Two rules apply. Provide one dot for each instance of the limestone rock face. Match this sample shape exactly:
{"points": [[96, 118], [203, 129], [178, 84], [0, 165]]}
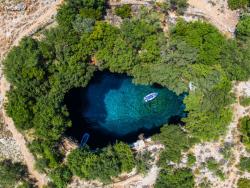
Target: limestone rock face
{"points": [[23, 18]]}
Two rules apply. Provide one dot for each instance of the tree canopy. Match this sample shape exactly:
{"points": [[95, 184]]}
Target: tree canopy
{"points": [[12, 173], [245, 164], [177, 178], [193, 59], [124, 11], [245, 131], [111, 161], [243, 27], [173, 149], [236, 4], [243, 183]]}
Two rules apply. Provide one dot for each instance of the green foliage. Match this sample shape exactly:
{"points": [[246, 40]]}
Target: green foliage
{"points": [[243, 27], [82, 162], [178, 178], [61, 176], [41, 165], [234, 61], [166, 75], [111, 161], [27, 60], [191, 159], [179, 5], [202, 36], [42, 72], [214, 167], [124, 156], [137, 30], [207, 118], [143, 161], [245, 131], [68, 12], [164, 6], [45, 70], [25, 184], [123, 11], [243, 183], [49, 152], [205, 183], [12, 173], [212, 164], [168, 136], [245, 101], [208, 125], [226, 151], [112, 51], [236, 4], [245, 164], [20, 109], [220, 174]]}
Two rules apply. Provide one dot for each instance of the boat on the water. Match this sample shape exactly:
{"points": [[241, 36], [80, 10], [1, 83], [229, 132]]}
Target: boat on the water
{"points": [[84, 140], [150, 97]]}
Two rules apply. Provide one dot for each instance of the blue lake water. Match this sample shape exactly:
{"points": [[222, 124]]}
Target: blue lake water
{"points": [[112, 108]]}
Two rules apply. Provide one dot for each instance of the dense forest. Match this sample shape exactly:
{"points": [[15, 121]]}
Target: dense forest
{"points": [[41, 72]]}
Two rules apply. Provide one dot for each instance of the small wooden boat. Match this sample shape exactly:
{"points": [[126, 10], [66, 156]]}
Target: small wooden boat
{"points": [[150, 97]]}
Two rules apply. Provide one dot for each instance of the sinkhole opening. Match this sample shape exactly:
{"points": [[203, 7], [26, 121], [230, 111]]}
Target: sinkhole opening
{"points": [[112, 108]]}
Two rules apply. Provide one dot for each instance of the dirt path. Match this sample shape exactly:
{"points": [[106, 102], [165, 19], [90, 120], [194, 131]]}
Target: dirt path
{"points": [[16, 24], [40, 22], [20, 140], [28, 157], [29, 23]]}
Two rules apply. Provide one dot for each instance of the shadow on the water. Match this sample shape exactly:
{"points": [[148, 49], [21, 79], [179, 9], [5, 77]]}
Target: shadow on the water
{"points": [[79, 106], [87, 110]]}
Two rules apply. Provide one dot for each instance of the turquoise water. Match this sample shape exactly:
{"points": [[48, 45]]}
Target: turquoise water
{"points": [[112, 106]]}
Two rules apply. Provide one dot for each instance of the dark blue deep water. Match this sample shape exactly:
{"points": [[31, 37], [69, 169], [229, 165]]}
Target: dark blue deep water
{"points": [[112, 108]]}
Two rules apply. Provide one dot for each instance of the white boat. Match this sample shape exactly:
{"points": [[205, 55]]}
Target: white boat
{"points": [[150, 97]]}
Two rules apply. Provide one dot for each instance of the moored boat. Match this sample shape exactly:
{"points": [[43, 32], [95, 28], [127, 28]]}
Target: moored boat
{"points": [[84, 140], [150, 97]]}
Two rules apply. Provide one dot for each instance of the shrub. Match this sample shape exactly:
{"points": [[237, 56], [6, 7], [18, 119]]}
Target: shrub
{"points": [[220, 174], [110, 161], [168, 136], [179, 5], [41, 165], [212, 164], [236, 4], [61, 176], [12, 173], [243, 27], [245, 101], [245, 131], [226, 151], [245, 164], [175, 178], [123, 11], [191, 159], [142, 161], [243, 183]]}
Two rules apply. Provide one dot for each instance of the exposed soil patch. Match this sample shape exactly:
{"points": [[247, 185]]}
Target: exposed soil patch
{"points": [[216, 12]]}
